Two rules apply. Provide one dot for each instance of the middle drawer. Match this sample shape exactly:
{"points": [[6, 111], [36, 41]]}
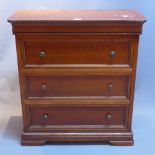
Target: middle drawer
{"points": [[77, 86]]}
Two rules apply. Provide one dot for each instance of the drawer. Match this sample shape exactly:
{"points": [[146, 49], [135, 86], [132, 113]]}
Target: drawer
{"points": [[77, 86], [80, 116], [76, 51]]}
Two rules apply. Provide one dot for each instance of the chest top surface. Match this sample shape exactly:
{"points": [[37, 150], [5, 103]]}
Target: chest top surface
{"points": [[119, 21], [76, 15]]}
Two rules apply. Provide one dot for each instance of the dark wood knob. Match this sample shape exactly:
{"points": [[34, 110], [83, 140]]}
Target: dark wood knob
{"points": [[110, 87], [43, 87], [112, 54], [109, 116], [45, 116], [42, 54]]}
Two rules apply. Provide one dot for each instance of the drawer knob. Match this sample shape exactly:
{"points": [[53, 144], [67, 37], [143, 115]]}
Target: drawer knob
{"points": [[42, 54], [110, 87], [112, 54], [45, 116], [109, 116], [43, 87]]}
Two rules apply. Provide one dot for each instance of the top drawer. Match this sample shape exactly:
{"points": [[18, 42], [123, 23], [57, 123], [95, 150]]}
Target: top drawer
{"points": [[76, 51]]}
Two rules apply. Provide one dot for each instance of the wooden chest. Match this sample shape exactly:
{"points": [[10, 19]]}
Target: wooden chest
{"points": [[77, 74]]}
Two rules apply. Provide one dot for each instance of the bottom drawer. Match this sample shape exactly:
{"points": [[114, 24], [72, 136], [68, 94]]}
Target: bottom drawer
{"points": [[77, 117]]}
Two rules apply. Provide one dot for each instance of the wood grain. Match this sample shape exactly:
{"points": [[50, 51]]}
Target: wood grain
{"points": [[72, 51], [77, 86], [77, 116], [77, 68], [75, 15], [120, 21]]}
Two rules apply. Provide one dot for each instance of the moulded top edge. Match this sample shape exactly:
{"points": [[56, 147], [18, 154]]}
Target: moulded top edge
{"points": [[76, 16]]}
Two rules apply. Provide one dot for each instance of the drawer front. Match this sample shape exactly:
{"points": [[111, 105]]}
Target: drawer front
{"points": [[60, 51], [78, 116], [77, 86]]}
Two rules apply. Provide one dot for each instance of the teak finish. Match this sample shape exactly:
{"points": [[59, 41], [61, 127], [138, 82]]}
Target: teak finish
{"points": [[80, 86], [77, 73]]}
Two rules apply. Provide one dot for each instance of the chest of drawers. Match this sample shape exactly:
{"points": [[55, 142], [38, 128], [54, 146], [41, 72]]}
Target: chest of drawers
{"points": [[77, 73]]}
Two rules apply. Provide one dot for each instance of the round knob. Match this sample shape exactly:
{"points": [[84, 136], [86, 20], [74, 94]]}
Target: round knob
{"points": [[45, 116], [109, 116], [42, 54], [113, 54], [110, 87], [43, 87]]}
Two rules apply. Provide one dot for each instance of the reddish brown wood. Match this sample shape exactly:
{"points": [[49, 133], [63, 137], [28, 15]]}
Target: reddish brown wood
{"points": [[123, 21], [124, 138], [69, 15], [77, 67], [78, 27], [77, 115], [76, 49], [81, 118], [77, 86]]}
